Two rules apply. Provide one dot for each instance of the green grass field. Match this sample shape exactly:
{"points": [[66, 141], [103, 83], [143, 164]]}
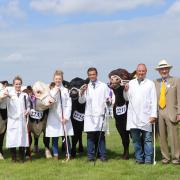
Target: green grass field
{"points": [[114, 168]]}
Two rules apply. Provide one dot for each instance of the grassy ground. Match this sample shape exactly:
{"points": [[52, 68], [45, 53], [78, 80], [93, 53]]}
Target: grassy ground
{"points": [[115, 168]]}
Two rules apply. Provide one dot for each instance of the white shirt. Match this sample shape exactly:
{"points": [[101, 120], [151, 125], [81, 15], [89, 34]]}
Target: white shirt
{"points": [[54, 126], [95, 99], [142, 104], [17, 134]]}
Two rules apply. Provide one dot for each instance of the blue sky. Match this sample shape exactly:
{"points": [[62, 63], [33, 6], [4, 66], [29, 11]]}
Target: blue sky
{"points": [[39, 36]]}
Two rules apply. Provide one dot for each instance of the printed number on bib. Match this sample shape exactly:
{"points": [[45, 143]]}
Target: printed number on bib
{"points": [[78, 116], [121, 110], [36, 114]]}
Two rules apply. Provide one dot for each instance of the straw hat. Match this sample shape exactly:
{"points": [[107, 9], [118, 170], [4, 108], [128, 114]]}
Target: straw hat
{"points": [[163, 64]]}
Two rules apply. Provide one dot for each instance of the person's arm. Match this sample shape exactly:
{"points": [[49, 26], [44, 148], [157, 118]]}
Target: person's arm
{"points": [[82, 94], [178, 100], [153, 98], [67, 107], [126, 92], [27, 105], [108, 96], [54, 92]]}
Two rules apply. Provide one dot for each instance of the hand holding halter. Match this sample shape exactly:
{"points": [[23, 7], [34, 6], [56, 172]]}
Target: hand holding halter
{"points": [[119, 80], [83, 88]]}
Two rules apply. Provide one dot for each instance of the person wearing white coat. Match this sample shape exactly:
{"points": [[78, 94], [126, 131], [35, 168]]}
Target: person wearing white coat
{"points": [[142, 112], [96, 95], [18, 110], [59, 114]]}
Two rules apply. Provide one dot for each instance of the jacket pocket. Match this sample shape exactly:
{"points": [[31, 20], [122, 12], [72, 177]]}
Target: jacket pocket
{"points": [[147, 107]]}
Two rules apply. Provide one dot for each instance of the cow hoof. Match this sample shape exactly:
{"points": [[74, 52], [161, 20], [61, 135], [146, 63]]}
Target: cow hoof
{"points": [[1, 156], [48, 154]]}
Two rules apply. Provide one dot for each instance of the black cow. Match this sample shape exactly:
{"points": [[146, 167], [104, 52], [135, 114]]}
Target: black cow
{"points": [[77, 115], [118, 78], [3, 124]]}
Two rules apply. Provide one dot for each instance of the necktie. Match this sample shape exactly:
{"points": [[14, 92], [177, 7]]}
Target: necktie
{"points": [[94, 84], [18, 94], [162, 99], [140, 80]]}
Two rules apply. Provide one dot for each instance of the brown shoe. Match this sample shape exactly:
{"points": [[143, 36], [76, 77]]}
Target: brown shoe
{"points": [[56, 158], [165, 161]]}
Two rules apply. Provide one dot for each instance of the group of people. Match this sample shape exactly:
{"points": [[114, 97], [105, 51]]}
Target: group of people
{"points": [[151, 102], [148, 103]]}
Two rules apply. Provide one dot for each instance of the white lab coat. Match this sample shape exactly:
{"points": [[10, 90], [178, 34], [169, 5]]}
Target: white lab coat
{"points": [[142, 104], [54, 126], [95, 106], [17, 133]]}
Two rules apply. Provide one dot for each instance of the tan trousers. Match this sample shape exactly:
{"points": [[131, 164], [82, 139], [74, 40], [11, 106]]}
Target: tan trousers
{"points": [[168, 130]]}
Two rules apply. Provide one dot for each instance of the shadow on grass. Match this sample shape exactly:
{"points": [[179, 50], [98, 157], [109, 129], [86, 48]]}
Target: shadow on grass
{"points": [[111, 155]]}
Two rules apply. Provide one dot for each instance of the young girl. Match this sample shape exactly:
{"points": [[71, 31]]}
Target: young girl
{"points": [[18, 110], [59, 114]]}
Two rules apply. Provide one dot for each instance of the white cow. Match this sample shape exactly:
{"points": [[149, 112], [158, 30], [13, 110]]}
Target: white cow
{"points": [[40, 104]]}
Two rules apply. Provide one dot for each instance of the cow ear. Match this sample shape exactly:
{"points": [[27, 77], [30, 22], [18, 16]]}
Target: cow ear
{"points": [[66, 84], [86, 81], [132, 75]]}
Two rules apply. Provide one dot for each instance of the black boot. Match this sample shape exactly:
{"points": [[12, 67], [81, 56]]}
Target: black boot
{"points": [[13, 154], [126, 154], [22, 154]]}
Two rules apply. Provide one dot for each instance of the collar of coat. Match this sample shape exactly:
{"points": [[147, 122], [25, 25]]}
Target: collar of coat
{"points": [[96, 82], [142, 82]]}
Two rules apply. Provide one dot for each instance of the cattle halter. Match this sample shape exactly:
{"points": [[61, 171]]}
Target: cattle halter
{"points": [[42, 99], [122, 81]]}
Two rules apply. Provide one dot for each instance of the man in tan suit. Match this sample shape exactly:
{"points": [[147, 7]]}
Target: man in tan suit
{"points": [[168, 94]]}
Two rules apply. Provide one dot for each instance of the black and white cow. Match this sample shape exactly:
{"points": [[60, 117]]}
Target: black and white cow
{"points": [[77, 115], [118, 78], [3, 115]]}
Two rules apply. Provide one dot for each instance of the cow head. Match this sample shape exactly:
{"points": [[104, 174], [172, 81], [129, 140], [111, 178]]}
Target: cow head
{"points": [[75, 85], [3, 91], [43, 98], [120, 77]]}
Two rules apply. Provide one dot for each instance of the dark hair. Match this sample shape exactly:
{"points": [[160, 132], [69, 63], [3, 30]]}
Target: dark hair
{"points": [[4, 82], [92, 69], [17, 78], [29, 88], [52, 84]]}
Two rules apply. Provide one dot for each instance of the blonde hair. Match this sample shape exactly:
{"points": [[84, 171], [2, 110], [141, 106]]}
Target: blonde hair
{"points": [[17, 78], [58, 73]]}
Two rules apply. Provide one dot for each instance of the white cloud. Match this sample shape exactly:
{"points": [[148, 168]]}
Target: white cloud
{"points": [[105, 45], [9, 11], [174, 9], [14, 57], [77, 6]]}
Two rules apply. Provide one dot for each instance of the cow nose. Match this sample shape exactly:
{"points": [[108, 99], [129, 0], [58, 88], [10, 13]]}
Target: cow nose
{"points": [[50, 102]]}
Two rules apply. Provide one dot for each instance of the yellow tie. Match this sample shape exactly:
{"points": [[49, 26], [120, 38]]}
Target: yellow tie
{"points": [[162, 99]]}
